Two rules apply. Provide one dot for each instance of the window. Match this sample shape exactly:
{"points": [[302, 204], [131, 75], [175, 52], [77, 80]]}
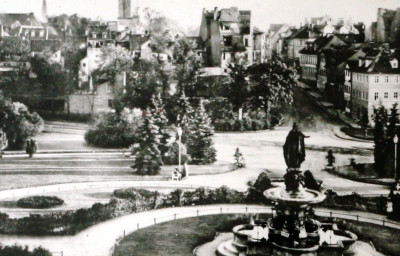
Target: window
{"points": [[386, 79], [376, 96], [94, 35], [228, 41], [376, 79], [223, 56], [33, 33], [386, 95], [225, 27], [41, 33], [104, 35], [246, 42], [396, 94], [110, 103]]}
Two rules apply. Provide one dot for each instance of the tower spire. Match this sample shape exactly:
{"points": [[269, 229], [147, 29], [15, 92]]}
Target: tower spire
{"points": [[44, 11]]}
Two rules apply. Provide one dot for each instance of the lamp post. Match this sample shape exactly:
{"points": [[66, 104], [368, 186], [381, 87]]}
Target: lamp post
{"points": [[395, 140], [179, 139]]}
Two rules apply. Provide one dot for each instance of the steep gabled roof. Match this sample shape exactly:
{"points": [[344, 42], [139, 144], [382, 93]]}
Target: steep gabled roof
{"points": [[302, 33], [28, 19]]}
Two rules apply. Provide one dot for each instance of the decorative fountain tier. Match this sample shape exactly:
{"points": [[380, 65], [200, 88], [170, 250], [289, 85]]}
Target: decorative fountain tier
{"points": [[292, 229]]}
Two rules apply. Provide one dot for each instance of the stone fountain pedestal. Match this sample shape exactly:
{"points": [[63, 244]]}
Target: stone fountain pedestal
{"points": [[291, 231]]}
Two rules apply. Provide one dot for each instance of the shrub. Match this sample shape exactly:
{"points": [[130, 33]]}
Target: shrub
{"points": [[17, 250], [18, 123], [256, 189], [172, 155], [114, 131], [132, 193], [39, 202]]}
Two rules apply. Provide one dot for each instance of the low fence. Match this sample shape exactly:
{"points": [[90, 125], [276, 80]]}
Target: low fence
{"points": [[217, 210]]}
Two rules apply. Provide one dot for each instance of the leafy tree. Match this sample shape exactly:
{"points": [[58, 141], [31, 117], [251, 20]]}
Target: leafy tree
{"points": [[237, 89], [200, 143], [161, 121], [18, 123], [115, 60], [380, 119], [54, 80], [14, 49], [393, 121], [147, 80], [272, 82], [187, 67], [147, 155], [115, 131]]}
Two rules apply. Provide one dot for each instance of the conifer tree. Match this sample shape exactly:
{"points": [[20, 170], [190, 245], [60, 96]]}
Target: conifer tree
{"points": [[393, 121], [161, 121], [148, 159], [200, 144], [380, 120], [185, 115]]}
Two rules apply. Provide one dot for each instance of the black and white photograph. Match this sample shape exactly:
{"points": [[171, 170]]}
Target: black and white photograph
{"points": [[199, 128]]}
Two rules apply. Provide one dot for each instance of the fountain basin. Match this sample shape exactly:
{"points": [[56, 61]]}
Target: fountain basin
{"points": [[304, 196]]}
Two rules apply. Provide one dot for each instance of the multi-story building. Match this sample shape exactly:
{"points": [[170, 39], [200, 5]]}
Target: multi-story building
{"points": [[259, 53], [310, 58], [375, 81], [226, 33], [273, 41]]}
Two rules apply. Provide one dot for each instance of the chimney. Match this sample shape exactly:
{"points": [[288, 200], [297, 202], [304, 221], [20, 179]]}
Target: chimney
{"points": [[215, 13]]}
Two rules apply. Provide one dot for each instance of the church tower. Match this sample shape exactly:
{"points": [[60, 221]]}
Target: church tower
{"points": [[125, 11], [44, 11]]}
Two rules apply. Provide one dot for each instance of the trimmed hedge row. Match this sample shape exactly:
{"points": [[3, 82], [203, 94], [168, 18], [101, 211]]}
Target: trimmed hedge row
{"points": [[39, 202]]}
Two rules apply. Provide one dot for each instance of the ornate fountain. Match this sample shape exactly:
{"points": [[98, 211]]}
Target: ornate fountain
{"points": [[291, 230]]}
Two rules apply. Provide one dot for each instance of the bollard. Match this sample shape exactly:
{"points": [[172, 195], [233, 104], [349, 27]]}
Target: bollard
{"points": [[357, 218], [138, 226], [124, 233], [155, 221], [383, 222], [197, 213], [330, 214], [221, 210], [175, 216], [246, 209]]}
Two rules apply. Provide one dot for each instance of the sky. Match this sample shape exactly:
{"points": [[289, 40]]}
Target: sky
{"points": [[187, 13]]}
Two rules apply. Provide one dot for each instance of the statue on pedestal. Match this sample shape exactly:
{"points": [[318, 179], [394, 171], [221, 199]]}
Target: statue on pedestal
{"points": [[294, 149], [294, 154]]}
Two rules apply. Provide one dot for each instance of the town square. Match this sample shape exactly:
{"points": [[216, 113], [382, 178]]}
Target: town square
{"points": [[204, 128]]}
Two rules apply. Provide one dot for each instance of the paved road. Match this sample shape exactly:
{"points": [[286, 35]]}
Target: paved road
{"points": [[88, 242]]}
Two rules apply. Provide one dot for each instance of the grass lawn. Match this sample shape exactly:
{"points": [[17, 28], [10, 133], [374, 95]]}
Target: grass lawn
{"points": [[177, 238], [386, 240]]}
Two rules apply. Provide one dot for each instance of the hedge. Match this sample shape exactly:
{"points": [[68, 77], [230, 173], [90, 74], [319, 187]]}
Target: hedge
{"points": [[39, 202]]}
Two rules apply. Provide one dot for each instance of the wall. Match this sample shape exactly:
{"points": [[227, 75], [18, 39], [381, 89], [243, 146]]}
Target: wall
{"points": [[83, 103], [392, 87], [215, 44]]}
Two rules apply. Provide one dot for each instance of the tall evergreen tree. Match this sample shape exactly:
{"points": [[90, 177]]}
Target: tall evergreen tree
{"points": [[148, 159], [380, 119], [161, 121], [200, 144], [393, 121], [185, 113]]}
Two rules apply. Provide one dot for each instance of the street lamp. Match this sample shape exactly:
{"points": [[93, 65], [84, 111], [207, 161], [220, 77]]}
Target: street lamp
{"points": [[395, 140], [179, 139]]}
